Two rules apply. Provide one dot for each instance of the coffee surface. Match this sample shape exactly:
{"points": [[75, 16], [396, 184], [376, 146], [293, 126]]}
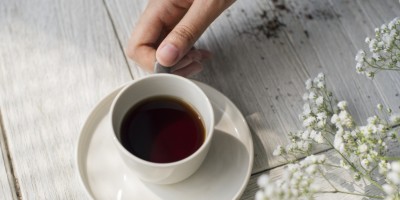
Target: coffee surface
{"points": [[162, 129]]}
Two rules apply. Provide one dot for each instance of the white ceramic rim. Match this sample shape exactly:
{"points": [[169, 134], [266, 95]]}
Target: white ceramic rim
{"points": [[209, 134]]}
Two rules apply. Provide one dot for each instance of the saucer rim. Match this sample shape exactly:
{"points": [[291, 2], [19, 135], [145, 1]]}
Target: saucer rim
{"points": [[111, 95]]}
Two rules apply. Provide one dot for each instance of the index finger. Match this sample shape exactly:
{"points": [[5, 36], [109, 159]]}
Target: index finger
{"points": [[144, 38]]}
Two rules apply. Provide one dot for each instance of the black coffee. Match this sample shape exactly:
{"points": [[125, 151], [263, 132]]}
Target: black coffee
{"points": [[162, 129]]}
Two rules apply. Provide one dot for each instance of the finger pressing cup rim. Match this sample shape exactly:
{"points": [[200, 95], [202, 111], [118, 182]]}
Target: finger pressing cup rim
{"points": [[158, 68]]}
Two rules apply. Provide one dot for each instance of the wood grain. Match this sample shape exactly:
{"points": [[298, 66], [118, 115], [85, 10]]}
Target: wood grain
{"points": [[263, 69], [124, 15], [357, 21], [7, 190], [358, 24], [57, 60], [247, 68]]}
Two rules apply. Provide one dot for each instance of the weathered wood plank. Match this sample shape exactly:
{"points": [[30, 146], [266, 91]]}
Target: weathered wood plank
{"points": [[124, 15], [360, 23], [354, 20], [263, 53], [7, 189], [260, 73], [335, 53], [57, 59]]}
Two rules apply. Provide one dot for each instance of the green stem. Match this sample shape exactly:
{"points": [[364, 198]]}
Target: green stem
{"points": [[394, 126], [373, 181], [396, 46], [352, 193], [323, 175], [370, 172], [388, 158], [366, 176], [331, 165], [380, 67]]}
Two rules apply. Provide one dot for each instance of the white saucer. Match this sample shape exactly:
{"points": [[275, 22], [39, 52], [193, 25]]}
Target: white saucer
{"points": [[223, 175]]}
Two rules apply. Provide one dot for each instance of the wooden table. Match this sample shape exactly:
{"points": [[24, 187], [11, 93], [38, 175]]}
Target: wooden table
{"points": [[59, 58]]}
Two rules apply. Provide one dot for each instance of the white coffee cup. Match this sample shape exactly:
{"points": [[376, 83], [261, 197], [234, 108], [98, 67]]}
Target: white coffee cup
{"points": [[162, 85]]}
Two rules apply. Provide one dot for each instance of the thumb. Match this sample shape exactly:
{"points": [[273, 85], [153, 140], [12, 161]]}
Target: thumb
{"points": [[179, 41]]}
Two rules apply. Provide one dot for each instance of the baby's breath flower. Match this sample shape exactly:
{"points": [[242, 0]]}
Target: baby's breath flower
{"points": [[306, 109], [263, 180], [305, 135], [342, 105], [393, 135], [319, 101], [357, 176], [321, 76], [383, 50], [321, 85], [305, 96], [365, 163], [362, 148], [395, 118], [344, 164], [308, 84], [384, 166], [345, 119], [370, 74], [297, 181], [312, 96], [389, 189], [312, 169], [278, 151], [373, 120], [338, 143], [309, 121], [394, 174], [334, 119], [319, 138]]}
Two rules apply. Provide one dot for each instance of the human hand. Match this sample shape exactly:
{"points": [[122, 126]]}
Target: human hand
{"points": [[167, 30]]}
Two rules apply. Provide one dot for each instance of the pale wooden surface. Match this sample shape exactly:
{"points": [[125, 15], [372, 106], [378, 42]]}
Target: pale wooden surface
{"points": [[7, 191], [5, 185], [58, 58]]}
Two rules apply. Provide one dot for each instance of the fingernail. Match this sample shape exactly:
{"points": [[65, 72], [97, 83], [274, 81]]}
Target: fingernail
{"points": [[168, 54]]}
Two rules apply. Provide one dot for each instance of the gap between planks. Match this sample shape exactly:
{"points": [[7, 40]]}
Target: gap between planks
{"points": [[118, 39], [8, 162]]}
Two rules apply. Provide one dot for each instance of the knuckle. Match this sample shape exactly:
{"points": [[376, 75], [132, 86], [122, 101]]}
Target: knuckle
{"points": [[131, 53], [185, 33]]}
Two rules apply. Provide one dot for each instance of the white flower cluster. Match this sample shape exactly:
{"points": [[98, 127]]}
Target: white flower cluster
{"points": [[384, 50], [314, 117], [365, 144], [362, 149], [297, 181], [395, 118], [391, 188]]}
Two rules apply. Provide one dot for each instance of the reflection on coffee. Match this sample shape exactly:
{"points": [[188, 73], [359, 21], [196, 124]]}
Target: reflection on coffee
{"points": [[162, 129]]}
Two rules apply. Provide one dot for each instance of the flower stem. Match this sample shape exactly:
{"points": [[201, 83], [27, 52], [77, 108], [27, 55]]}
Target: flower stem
{"points": [[352, 193], [394, 126], [331, 165], [323, 175], [380, 67], [366, 176], [388, 158]]}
